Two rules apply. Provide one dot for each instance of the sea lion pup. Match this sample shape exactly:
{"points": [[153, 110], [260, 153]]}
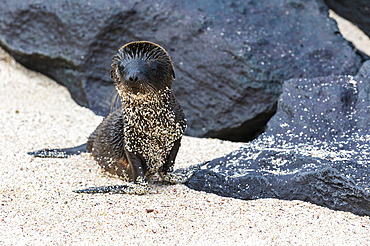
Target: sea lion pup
{"points": [[143, 137]]}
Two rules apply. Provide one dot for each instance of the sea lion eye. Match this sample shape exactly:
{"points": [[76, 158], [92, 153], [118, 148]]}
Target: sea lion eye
{"points": [[121, 69], [155, 71], [154, 68]]}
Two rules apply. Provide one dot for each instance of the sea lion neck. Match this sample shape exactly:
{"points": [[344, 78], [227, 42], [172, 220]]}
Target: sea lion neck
{"points": [[159, 98]]}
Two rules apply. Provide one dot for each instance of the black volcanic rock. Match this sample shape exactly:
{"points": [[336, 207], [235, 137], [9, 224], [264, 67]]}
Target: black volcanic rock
{"points": [[316, 148], [230, 57]]}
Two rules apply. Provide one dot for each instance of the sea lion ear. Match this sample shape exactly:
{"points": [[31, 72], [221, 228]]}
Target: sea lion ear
{"points": [[112, 73], [173, 73]]}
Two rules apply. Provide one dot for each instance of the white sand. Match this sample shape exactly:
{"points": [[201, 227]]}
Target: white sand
{"points": [[38, 206]]}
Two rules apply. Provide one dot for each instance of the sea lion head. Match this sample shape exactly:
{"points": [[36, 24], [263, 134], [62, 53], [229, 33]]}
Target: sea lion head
{"points": [[142, 67]]}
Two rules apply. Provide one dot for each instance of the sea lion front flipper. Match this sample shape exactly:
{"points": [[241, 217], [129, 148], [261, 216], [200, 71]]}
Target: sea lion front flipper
{"points": [[167, 167], [137, 167], [133, 189], [59, 153]]}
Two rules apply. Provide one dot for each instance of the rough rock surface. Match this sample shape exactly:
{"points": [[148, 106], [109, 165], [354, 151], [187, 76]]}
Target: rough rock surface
{"points": [[230, 56], [356, 11], [316, 148]]}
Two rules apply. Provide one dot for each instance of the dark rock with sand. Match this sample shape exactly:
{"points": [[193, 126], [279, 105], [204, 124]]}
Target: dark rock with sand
{"points": [[316, 148], [230, 57]]}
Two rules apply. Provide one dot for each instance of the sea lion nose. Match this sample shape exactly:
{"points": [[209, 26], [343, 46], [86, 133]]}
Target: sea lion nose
{"points": [[133, 77]]}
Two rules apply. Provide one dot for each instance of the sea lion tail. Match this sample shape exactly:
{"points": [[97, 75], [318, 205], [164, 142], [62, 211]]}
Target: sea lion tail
{"points": [[59, 153]]}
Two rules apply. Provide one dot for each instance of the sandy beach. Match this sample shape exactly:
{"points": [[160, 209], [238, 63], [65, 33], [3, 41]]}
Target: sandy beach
{"points": [[38, 206]]}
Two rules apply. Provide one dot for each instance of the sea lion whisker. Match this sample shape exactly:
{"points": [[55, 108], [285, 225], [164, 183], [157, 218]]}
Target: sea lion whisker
{"points": [[113, 99], [116, 101]]}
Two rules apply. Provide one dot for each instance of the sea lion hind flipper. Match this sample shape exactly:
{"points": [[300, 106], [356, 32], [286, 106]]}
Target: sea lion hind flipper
{"points": [[59, 153], [135, 189]]}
